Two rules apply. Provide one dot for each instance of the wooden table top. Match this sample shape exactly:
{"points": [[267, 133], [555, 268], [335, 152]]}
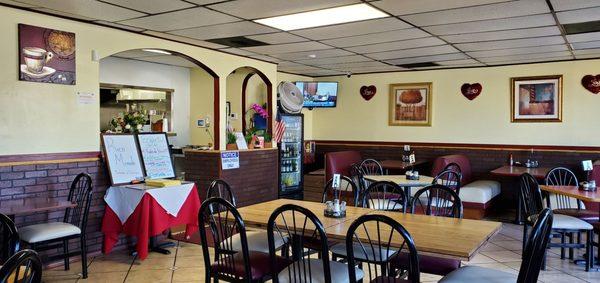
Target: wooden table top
{"points": [[401, 180], [516, 171], [30, 205], [574, 192], [439, 236], [395, 164]]}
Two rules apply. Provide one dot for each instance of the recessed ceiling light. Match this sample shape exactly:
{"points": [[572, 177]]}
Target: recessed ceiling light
{"points": [[157, 51], [312, 56], [323, 17]]}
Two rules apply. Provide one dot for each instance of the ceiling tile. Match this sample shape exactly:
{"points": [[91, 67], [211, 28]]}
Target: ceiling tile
{"points": [[396, 45], [181, 19], [433, 58], [533, 60], [64, 14], [425, 51], [318, 53], [585, 45], [237, 51], [185, 39], [462, 62], [504, 34], [335, 60], [373, 38], [225, 30], [386, 68], [517, 51], [15, 3], [256, 9], [581, 37], [278, 38], [512, 43], [493, 25], [587, 53], [302, 69], [549, 55], [151, 6], [120, 26], [477, 13], [579, 16], [405, 7], [204, 2], [266, 58], [324, 73], [288, 48], [352, 29], [561, 5], [87, 8]]}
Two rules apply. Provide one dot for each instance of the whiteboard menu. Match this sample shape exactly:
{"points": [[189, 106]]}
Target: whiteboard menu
{"points": [[156, 155], [122, 158]]}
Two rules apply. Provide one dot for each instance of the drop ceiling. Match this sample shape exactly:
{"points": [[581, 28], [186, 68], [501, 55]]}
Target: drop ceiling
{"points": [[451, 34]]}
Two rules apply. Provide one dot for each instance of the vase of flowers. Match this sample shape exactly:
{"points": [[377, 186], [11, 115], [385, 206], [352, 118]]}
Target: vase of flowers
{"points": [[128, 122], [259, 118]]}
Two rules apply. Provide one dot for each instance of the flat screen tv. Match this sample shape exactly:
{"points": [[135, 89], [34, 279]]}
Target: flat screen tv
{"points": [[319, 94]]}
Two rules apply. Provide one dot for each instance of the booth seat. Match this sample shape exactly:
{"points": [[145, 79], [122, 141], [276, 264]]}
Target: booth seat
{"points": [[477, 195], [339, 162]]}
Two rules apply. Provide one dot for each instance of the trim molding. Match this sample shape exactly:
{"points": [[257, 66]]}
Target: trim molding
{"points": [[45, 158], [516, 147]]}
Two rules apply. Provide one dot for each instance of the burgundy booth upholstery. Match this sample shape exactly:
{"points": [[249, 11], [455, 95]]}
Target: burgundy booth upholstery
{"points": [[339, 162], [465, 166]]}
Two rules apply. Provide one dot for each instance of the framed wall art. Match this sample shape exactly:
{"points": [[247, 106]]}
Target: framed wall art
{"points": [[410, 104], [536, 99]]}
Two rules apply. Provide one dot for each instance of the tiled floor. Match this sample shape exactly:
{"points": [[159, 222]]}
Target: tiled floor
{"points": [[185, 264]]}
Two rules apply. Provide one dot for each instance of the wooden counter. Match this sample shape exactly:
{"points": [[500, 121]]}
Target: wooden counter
{"points": [[255, 181]]}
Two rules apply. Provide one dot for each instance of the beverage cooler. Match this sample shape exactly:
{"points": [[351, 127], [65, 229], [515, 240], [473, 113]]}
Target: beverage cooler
{"points": [[291, 156]]}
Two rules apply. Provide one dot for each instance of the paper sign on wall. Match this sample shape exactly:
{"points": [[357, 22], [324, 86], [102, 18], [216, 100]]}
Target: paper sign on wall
{"points": [[230, 160], [85, 98]]}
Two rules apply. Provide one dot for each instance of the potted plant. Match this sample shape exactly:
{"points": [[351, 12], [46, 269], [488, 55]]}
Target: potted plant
{"points": [[259, 118], [128, 122], [231, 144]]}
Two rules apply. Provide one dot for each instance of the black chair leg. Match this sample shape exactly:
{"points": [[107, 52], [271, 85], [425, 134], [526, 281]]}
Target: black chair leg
{"points": [[84, 270], [562, 247], [66, 253], [524, 235], [571, 241], [206, 276], [589, 250]]}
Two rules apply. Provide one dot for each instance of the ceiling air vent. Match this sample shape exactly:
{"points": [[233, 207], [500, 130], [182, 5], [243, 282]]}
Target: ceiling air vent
{"points": [[419, 65], [237, 41], [582, 27]]}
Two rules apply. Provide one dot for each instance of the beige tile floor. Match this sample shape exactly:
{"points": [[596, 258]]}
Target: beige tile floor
{"points": [[185, 264]]}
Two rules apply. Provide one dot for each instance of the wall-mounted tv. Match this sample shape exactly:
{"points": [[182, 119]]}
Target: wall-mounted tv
{"points": [[319, 94]]}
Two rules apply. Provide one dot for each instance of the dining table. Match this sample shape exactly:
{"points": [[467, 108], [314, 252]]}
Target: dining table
{"points": [[14, 207], [433, 235], [402, 181], [396, 166]]}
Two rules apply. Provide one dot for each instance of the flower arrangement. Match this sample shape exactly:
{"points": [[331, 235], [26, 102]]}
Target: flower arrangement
{"points": [[259, 110], [128, 122]]}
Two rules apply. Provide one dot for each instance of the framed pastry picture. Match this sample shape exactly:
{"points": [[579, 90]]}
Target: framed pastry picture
{"points": [[536, 99], [410, 104], [46, 55]]}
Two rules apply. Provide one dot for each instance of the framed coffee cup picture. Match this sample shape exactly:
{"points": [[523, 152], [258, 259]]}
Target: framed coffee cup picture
{"points": [[536, 99], [46, 55]]}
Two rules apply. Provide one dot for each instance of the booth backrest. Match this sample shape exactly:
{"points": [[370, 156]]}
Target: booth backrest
{"points": [[595, 175], [465, 166], [339, 162]]}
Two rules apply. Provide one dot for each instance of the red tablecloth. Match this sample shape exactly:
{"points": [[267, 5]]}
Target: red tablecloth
{"points": [[147, 220]]}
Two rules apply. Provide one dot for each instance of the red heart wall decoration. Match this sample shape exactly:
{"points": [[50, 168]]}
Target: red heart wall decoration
{"points": [[471, 91], [367, 92], [591, 83]]}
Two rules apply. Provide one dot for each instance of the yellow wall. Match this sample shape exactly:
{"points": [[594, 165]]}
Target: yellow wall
{"points": [[45, 118], [308, 114], [458, 120], [201, 106]]}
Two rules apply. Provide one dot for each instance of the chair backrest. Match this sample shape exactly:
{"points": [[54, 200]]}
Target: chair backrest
{"points": [[536, 247], [452, 166], [530, 195], [384, 195], [24, 266], [371, 167], [339, 162], [220, 189], [437, 200], [9, 238], [358, 177], [80, 194], [224, 221], [440, 163], [303, 230], [448, 178], [378, 239], [561, 176], [347, 191]]}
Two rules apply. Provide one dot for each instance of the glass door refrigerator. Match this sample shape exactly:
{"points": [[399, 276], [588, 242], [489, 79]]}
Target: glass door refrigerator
{"points": [[291, 157]]}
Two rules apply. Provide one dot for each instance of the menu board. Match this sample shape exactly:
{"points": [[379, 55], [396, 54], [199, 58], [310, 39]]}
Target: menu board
{"points": [[122, 158], [156, 155]]}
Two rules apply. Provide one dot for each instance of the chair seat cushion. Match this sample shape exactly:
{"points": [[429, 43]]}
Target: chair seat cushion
{"points": [[566, 222], [480, 191], [257, 241], [478, 274], [364, 252], [260, 265], [583, 214], [47, 231], [338, 270], [428, 264]]}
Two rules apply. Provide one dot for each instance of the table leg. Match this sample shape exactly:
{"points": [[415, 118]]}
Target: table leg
{"points": [[518, 216]]}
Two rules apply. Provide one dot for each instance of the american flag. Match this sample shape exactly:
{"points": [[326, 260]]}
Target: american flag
{"points": [[279, 128]]}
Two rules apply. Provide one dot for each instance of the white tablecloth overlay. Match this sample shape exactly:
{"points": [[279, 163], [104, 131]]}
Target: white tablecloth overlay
{"points": [[123, 200]]}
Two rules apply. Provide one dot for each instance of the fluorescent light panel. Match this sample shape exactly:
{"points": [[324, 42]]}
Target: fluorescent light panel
{"points": [[331, 16], [157, 51]]}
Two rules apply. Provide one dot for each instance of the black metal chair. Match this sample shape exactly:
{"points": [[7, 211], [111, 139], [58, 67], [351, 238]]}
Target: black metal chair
{"points": [[9, 238], [46, 236], [531, 202], [371, 167], [369, 242], [562, 204], [302, 226], [347, 191], [256, 239], [454, 167], [23, 267], [530, 266], [230, 264], [357, 176], [384, 195], [448, 178]]}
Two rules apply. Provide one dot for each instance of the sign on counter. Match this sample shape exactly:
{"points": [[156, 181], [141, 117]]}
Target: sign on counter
{"points": [[230, 160]]}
